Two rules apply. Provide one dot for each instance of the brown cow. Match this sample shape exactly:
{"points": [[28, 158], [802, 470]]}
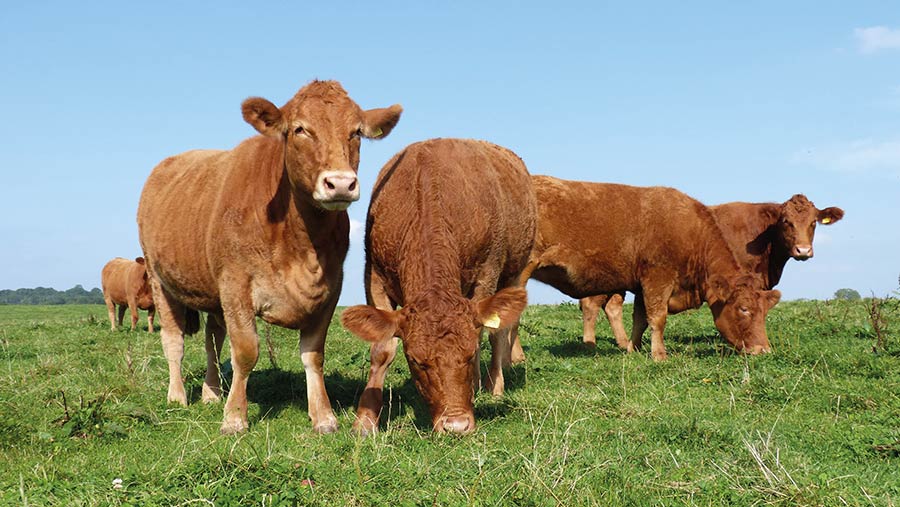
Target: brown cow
{"points": [[259, 230], [449, 230], [763, 236], [125, 283], [596, 238]]}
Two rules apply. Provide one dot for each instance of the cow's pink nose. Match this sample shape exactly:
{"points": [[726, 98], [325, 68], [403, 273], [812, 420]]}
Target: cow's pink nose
{"points": [[337, 189], [802, 252], [460, 424]]}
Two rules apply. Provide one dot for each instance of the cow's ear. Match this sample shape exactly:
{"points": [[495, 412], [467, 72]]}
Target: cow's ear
{"points": [[372, 324], [830, 215], [502, 309], [378, 123], [139, 260], [771, 298], [264, 116], [717, 289]]}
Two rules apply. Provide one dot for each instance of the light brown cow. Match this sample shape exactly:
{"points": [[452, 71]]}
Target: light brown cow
{"points": [[125, 283], [259, 230], [596, 238], [449, 230], [763, 236]]}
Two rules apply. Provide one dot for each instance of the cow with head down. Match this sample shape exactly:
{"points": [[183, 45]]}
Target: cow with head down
{"points": [[258, 231], [598, 238], [449, 230], [125, 284], [762, 236]]}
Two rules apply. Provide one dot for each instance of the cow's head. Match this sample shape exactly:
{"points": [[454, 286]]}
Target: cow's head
{"points": [[141, 280], [739, 308], [440, 334], [321, 128], [796, 225]]}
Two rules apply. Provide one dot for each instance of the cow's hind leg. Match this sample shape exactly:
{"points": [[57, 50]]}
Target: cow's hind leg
{"points": [[639, 323], [111, 308], [590, 308], [150, 314], [171, 319], [312, 353], [501, 344], [613, 310], [122, 309], [215, 337], [381, 355]]}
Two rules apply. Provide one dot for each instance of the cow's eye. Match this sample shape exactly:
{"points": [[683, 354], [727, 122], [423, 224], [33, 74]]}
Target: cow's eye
{"points": [[356, 133], [744, 310], [299, 130]]}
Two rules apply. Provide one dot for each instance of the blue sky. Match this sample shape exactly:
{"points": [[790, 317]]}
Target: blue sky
{"points": [[751, 101]]}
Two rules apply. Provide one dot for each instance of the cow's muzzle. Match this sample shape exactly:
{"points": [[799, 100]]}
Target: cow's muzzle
{"points": [[801, 253], [336, 190], [457, 424]]}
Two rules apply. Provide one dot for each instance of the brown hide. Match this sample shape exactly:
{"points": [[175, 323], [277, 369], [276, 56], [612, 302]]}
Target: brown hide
{"points": [[124, 284], [762, 236], [596, 238], [259, 230], [449, 230]]}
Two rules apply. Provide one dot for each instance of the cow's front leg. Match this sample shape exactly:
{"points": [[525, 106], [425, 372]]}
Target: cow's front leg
{"points": [[657, 308], [312, 353], [240, 319]]}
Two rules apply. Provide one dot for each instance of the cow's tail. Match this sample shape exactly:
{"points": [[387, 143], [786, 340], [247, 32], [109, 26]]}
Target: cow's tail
{"points": [[191, 321]]}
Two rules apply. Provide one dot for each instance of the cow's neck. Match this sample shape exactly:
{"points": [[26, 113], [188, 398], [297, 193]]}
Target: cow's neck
{"points": [[718, 259], [777, 259]]}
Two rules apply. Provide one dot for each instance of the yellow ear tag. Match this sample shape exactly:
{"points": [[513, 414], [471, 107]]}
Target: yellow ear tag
{"points": [[493, 321], [826, 220], [377, 132]]}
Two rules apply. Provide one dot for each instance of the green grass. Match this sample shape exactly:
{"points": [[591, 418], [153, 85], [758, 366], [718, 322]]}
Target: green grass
{"points": [[815, 423]]}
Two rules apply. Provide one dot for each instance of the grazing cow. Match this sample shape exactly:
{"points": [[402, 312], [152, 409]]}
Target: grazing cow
{"points": [[657, 242], [763, 236], [449, 230], [259, 230], [125, 283]]}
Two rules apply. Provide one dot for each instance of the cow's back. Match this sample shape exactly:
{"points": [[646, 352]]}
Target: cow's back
{"points": [[467, 202], [629, 229]]}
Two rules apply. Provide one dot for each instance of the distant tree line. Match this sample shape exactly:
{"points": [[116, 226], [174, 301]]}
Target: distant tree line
{"points": [[46, 296]]}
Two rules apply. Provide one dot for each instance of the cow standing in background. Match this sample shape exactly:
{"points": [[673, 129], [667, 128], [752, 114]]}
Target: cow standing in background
{"points": [[449, 230], [597, 238], [762, 236], [125, 283], [259, 230]]}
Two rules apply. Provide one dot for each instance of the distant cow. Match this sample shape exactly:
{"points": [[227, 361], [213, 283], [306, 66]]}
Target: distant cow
{"points": [[259, 230], [763, 236], [125, 284], [596, 238], [449, 230]]}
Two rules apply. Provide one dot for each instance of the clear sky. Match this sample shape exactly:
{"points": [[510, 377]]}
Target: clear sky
{"points": [[752, 101]]}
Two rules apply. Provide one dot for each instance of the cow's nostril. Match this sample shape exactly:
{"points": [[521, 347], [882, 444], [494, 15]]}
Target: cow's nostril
{"points": [[329, 184], [352, 186]]}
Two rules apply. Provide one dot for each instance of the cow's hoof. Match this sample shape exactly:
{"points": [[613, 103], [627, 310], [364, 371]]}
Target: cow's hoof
{"points": [[365, 425], [210, 395], [178, 398], [327, 426], [662, 356], [233, 427]]}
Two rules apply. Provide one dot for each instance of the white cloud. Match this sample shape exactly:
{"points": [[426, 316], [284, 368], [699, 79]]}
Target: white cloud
{"points": [[357, 229], [862, 156], [876, 38]]}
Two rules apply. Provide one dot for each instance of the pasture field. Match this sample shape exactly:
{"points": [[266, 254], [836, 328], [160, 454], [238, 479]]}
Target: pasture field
{"points": [[817, 422]]}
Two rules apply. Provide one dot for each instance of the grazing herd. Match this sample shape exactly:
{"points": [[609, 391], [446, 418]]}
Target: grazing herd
{"points": [[455, 229]]}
